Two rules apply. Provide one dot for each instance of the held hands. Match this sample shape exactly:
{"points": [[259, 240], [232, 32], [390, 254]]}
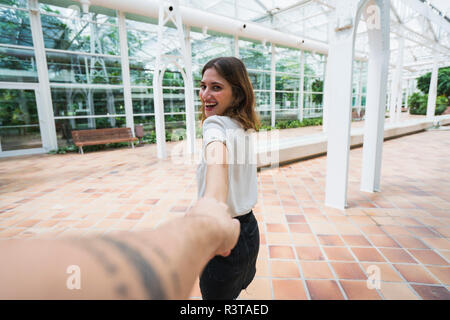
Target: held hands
{"points": [[227, 228]]}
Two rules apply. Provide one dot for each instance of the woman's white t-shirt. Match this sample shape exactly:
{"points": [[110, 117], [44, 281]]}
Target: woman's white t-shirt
{"points": [[242, 181]]}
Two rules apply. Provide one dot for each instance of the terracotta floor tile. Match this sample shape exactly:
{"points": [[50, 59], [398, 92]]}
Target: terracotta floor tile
{"points": [[338, 254], [387, 272], [432, 292], [288, 290], [316, 270], [393, 231], [442, 273], [276, 227], [299, 228], [346, 270], [295, 218], [437, 243], [383, 241], [358, 290], [281, 252], [367, 254], [309, 253], [397, 291], [416, 273], [372, 230], [410, 242], [277, 238], [397, 255], [323, 228], [423, 232], [347, 229], [262, 267], [330, 240], [284, 269], [304, 239], [359, 241], [324, 290], [428, 257], [259, 289]]}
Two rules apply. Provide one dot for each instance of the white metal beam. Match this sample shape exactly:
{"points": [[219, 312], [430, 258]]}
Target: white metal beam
{"points": [[426, 11]]}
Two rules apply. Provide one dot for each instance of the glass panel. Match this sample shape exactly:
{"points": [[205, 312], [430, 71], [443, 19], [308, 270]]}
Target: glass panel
{"points": [[205, 48], [262, 101], [174, 100], [17, 65], [313, 84], [15, 3], [142, 100], [15, 27], [255, 55], [142, 39], [173, 79], [64, 127], [286, 115], [287, 83], [19, 121], [288, 60], [175, 126], [286, 100], [314, 64], [87, 101], [312, 105], [73, 68], [260, 80], [141, 72], [75, 34]]}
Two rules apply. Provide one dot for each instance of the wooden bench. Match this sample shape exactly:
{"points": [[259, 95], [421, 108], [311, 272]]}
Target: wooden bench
{"points": [[83, 138]]}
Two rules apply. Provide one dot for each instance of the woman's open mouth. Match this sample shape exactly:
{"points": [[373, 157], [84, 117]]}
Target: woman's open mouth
{"points": [[210, 106]]}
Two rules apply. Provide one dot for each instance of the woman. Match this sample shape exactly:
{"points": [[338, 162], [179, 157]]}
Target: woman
{"points": [[228, 170]]}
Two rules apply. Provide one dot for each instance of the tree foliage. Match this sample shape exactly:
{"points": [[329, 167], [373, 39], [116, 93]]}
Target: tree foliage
{"points": [[443, 88]]}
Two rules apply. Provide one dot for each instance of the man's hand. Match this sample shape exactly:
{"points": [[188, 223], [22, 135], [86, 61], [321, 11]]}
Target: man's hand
{"points": [[227, 227]]}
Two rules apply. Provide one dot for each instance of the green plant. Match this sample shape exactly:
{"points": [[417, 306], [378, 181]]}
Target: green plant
{"points": [[418, 104], [423, 82]]}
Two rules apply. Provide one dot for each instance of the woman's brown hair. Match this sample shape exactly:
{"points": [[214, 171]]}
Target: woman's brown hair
{"points": [[243, 106]]}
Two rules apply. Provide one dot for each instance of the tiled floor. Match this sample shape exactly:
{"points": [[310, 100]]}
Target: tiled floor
{"points": [[308, 251]]}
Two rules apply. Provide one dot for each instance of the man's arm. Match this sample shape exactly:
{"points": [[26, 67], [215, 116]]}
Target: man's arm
{"points": [[156, 264]]}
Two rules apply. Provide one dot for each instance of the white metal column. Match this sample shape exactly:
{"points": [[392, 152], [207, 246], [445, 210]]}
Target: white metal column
{"points": [[339, 75], [432, 92], [302, 84], [125, 62], [396, 84], [272, 86], [169, 13], [46, 119], [377, 74]]}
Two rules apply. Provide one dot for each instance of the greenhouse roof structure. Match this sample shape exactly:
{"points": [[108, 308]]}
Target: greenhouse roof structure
{"points": [[425, 25]]}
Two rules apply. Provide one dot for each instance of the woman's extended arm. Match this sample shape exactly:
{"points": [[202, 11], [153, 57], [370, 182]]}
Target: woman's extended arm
{"points": [[217, 171]]}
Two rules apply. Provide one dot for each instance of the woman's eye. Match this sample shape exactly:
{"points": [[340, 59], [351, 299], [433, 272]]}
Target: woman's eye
{"points": [[216, 88], [202, 86]]}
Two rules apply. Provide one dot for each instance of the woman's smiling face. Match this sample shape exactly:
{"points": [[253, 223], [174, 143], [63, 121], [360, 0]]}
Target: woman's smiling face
{"points": [[216, 93]]}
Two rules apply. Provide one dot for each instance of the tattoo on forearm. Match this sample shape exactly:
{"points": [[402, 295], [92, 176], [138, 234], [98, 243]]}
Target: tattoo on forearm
{"points": [[161, 254], [150, 279], [110, 267], [102, 258]]}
